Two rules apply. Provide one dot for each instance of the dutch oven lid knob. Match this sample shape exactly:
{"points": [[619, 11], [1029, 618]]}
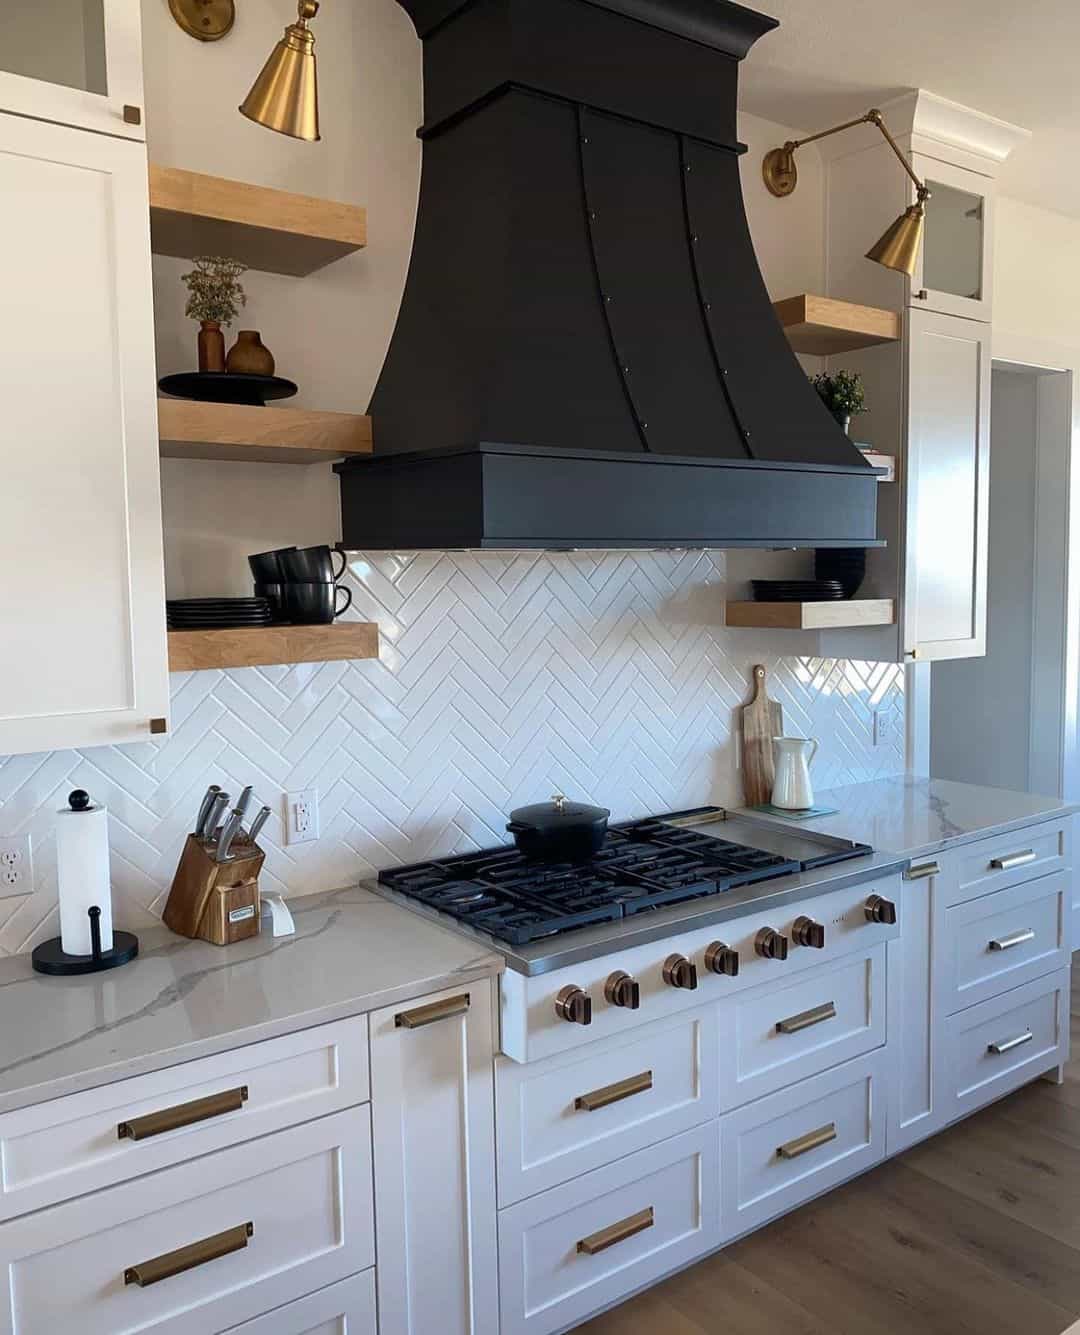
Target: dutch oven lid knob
{"points": [[559, 800]]}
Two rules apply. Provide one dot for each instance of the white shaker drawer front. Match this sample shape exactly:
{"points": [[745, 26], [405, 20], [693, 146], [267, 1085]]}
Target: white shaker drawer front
{"points": [[1008, 859], [199, 1247], [784, 1034], [783, 1150], [561, 1117], [580, 1247], [347, 1308], [1005, 939], [54, 1151], [1002, 1044]]}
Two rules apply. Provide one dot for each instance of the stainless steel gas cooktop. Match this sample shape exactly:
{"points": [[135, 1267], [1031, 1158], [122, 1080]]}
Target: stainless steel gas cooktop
{"points": [[644, 866]]}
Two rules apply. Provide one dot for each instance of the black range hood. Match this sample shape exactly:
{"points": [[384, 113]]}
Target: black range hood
{"points": [[586, 354]]}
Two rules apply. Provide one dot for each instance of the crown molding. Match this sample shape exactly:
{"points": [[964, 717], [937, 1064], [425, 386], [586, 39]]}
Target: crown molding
{"points": [[926, 116]]}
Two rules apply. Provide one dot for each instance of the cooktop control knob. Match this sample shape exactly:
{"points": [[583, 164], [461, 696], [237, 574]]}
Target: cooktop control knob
{"points": [[806, 932], [680, 972], [771, 945], [574, 1005], [720, 958], [622, 990], [880, 910]]}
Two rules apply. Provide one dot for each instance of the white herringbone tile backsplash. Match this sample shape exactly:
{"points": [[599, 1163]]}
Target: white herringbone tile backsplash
{"points": [[502, 677]]}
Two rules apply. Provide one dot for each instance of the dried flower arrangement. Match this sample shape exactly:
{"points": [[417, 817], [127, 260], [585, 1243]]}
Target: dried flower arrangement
{"points": [[215, 294]]}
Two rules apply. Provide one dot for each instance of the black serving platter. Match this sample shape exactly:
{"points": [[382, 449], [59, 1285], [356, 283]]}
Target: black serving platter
{"points": [[226, 387]]}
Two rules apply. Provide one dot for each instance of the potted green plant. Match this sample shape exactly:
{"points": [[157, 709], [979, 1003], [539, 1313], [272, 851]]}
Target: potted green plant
{"points": [[842, 393], [214, 299]]}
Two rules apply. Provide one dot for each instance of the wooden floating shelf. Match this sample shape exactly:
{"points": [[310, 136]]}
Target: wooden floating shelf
{"points": [[886, 461], [243, 434], [266, 646], [822, 326], [813, 616], [274, 230]]}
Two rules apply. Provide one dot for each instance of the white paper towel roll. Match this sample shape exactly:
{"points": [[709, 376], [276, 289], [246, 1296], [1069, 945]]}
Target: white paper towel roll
{"points": [[82, 866]]}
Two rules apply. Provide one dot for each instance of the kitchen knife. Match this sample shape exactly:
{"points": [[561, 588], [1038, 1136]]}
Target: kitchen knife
{"points": [[228, 834], [217, 811], [204, 809], [242, 805], [257, 824]]}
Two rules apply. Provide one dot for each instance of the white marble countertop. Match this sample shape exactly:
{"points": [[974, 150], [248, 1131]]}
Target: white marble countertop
{"points": [[352, 952], [915, 817]]}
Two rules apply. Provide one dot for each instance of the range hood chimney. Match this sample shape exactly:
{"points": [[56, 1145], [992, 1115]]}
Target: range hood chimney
{"points": [[586, 354]]}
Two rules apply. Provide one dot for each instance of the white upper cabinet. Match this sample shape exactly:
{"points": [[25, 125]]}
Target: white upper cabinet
{"points": [[954, 271], [77, 62], [948, 487], [82, 620]]}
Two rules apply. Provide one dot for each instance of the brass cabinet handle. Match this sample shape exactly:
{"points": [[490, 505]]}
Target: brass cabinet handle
{"points": [[184, 1114], [1007, 1044], [807, 1019], [622, 1089], [608, 1237], [432, 1013], [922, 871], [187, 1258], [1007, 942], [804, 1144], [1012, 860]]}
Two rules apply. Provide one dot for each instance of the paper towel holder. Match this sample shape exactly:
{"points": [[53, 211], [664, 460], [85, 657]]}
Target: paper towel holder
{"points": [[51, 958]]}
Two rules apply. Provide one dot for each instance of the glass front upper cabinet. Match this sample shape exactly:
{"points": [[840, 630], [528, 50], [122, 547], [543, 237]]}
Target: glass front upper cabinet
{"points": [[953, 273], [76, 62]]}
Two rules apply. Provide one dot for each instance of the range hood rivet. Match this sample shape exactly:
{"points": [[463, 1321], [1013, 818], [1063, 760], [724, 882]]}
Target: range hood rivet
{"points": [[708, 305]]}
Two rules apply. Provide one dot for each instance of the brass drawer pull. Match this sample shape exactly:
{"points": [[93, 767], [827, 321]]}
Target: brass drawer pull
{"points": [[922, 871], [1007, 1044], [608, 1237], [807, 1019], [804, 1144], [433, 1013], [187, 1258], [1007, 942], [622, 1089], [1012, 860], [184, 1114]]}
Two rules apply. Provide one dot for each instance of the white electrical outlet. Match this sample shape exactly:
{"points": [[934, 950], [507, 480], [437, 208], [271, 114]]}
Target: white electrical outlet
{"points": [[884, 725], [16, 866], [302, 816]]}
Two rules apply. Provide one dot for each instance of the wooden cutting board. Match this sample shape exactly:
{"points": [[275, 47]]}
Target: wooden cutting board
{"points": [[762, 720]]}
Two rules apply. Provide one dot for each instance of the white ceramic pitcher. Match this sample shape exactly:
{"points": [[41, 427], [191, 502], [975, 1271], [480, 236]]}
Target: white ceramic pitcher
{"points": [[792, 789]]}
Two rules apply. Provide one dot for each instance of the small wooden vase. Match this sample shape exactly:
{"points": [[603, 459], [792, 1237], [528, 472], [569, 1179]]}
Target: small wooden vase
{"points": [[211, 346], [249, 355]]}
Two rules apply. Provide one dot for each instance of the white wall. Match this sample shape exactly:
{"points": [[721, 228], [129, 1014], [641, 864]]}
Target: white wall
{"points": [[981, 707]]}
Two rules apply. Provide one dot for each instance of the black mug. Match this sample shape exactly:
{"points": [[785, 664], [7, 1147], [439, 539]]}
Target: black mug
{"points": [[311, 565], [314, 603], [266, 566]]}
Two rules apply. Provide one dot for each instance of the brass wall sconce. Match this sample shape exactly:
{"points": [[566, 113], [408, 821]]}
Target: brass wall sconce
{"points": [[898, 248], [285, 96], [207, 20]]}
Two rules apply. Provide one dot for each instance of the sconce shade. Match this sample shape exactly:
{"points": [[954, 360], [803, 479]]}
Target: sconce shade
{"points": [[285, 96], [899, 247]]}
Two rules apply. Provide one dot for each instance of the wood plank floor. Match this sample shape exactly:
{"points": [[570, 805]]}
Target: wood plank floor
{"points": [[974, 1232]]}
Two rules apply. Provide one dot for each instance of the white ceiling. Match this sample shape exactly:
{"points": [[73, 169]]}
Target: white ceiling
{"points": [[832, 59]]}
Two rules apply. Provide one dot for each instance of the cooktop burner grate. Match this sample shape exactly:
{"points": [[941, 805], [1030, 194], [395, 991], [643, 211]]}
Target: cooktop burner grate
{"points": [[643, 865]]}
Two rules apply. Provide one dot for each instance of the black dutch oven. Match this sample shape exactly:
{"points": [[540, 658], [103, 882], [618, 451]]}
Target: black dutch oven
{"points": [[559, 830]]}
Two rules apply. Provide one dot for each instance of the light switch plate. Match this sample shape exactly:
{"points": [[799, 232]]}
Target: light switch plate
{"points": [[16, 866]]}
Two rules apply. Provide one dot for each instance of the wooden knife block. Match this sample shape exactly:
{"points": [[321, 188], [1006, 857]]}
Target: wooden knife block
{"points": [[216, 901]]}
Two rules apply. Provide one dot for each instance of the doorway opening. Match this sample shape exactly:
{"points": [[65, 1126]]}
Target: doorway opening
{"points": [[1003, 720]]}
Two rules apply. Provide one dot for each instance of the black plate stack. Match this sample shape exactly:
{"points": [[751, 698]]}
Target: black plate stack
{"points": [[797, 590], [217, 613]]}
